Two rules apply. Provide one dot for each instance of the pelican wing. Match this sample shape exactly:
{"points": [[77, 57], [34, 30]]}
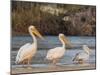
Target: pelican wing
{"points": [[57, 52], [81, 55], [25, 46], [22, 51], [76, 57]]}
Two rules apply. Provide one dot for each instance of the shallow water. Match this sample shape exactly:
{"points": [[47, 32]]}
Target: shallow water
{"points": [[51, 42]]}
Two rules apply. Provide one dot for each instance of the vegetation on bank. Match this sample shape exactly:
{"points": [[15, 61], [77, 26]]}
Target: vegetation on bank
{"points": [[52, 19]]}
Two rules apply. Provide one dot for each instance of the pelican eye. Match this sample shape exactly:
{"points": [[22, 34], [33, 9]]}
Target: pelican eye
{"points": [[32, 28]]}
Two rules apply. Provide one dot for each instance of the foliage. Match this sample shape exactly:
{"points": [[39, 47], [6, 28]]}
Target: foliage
{"points": [[81, 19]]}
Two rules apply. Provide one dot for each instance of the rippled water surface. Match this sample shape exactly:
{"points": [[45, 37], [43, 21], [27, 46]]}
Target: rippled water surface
{"points": [[51, 42]]}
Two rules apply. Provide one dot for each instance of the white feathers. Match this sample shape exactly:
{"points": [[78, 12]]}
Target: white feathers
{"points": [[28, 50], [58, 52], [21, 51], [86, 49], [55, 53], [84, 55]]}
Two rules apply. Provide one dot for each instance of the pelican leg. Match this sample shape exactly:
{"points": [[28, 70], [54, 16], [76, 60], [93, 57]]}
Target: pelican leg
{"points": [[29, 60], [50, 62], [24, 62], [54, 61], [57, 60]]}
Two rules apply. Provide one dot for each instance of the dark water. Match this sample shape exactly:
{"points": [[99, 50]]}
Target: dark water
{"points": [[51, 42]]}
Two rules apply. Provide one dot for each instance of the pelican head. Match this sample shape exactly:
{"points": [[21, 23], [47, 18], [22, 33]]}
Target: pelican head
{"points": [[84, 46], [64, 40], [33, 30], [87, 49]]}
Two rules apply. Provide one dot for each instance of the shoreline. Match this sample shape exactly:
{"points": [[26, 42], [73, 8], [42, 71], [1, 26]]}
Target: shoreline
{"points": [[50, 68]]}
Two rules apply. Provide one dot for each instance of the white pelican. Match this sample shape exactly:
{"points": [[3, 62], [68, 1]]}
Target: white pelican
{"points": [[27, 51], [56, 53], [82, 56]]}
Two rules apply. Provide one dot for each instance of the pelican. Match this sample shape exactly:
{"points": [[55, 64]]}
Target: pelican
{"points": [[27, 51], [56, 53], [81, 57]]}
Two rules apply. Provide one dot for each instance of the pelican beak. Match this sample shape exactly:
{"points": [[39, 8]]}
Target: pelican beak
{"points": [[66, 41], [87, 49], [36, 32]]}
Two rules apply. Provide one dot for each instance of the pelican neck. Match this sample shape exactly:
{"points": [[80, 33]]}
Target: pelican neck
{"points": [[33, 38], [63, 44]]}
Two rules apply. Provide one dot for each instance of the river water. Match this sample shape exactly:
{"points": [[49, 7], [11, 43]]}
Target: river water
{"points": [[51, 42]]}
